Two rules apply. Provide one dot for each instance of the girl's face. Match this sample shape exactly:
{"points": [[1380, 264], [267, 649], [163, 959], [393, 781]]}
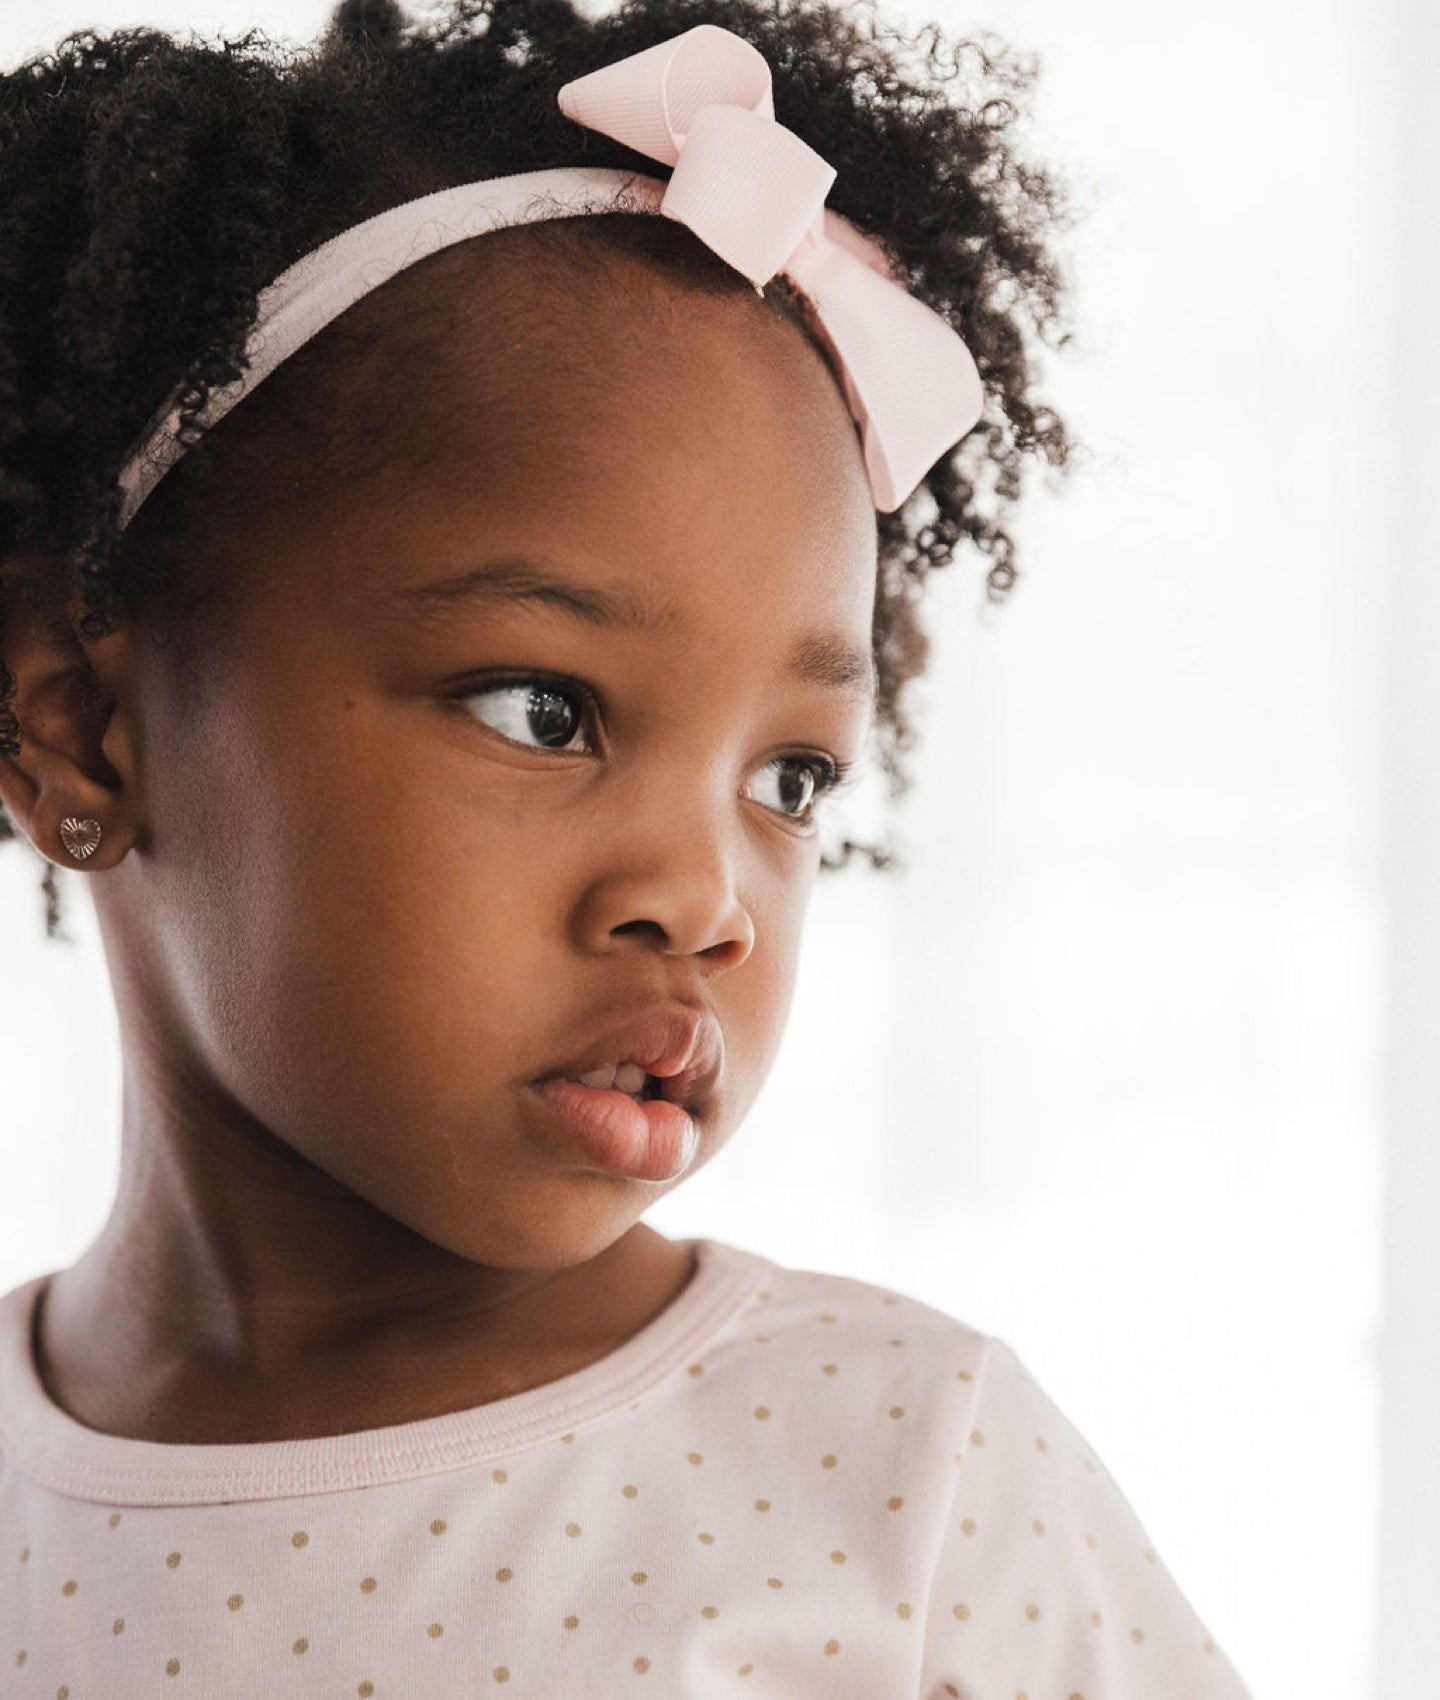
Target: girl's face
{"points": [[374, 893]]}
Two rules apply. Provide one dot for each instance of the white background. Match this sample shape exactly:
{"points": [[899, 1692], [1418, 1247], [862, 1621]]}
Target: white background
{"points": [[1130, 1066]]}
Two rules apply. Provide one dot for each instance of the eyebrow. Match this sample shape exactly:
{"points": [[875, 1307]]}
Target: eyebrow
{"points": [[818, 658]]}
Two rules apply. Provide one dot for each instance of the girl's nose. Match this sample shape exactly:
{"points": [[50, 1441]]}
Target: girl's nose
{"points": [[672, 885]]}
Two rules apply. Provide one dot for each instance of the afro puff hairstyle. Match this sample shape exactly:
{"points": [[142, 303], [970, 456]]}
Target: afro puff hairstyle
{"points": [[150, 188]]}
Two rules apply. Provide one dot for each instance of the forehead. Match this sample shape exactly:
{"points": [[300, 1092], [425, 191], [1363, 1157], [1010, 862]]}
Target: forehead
{"points": [[504, 397], [591, 366], [680, 425]]}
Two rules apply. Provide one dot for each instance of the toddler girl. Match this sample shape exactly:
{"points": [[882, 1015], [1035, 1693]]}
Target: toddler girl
{"points": [[464, 493]]}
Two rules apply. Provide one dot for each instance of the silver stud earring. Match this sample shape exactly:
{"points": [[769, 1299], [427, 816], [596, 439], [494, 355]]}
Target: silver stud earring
{"points": [[80, 836]]}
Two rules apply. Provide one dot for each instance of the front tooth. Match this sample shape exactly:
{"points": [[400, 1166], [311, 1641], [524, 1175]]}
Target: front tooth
{"points": [[602, 1077], [630, 1077]]}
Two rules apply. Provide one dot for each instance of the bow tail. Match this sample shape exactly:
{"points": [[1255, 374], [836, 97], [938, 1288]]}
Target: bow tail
{"points": [[910, 381]]}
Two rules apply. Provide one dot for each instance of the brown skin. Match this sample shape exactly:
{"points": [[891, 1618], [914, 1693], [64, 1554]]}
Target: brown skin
{"points": [[343, 917]]}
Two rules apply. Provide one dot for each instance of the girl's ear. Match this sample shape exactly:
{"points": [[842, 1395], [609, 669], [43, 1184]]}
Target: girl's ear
{"points": [[76, 729]]}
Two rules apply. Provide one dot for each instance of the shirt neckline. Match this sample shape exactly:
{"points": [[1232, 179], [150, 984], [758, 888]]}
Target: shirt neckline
{"points": [[52, 1449]]}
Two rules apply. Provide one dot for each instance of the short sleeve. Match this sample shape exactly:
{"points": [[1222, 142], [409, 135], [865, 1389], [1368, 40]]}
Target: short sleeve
{"points": [[1046, 1584]]}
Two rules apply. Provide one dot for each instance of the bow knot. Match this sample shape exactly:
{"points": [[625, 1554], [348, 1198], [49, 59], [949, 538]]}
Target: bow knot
{"points": [[754, 192]]}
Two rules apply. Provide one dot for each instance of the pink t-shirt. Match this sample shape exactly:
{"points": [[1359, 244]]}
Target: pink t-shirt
{"points": [[788, 1485]]}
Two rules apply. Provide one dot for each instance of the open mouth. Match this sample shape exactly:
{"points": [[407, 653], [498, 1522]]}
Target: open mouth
{"points": [[669, 1054], [628, 1079], [651, 1089]]}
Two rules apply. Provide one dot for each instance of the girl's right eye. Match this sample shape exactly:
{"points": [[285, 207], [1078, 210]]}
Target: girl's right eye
{"points": [[535, 708]]}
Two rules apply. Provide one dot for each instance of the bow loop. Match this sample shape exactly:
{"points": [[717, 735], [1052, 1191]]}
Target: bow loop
{"points": [[649, 100]]}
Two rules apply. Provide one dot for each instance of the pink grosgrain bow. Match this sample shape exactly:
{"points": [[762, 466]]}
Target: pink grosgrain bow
{"points": [[754, 192]]}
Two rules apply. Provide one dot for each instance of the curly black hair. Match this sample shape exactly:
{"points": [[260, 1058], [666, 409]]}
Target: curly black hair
{"points": [[150, 188]]}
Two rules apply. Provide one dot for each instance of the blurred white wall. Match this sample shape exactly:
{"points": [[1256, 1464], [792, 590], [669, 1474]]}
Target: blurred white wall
{"points": [[1406, 336], [1111, 1069]]}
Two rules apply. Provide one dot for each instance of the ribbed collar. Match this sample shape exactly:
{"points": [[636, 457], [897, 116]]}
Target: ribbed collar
{"points": [[47, 1445]]}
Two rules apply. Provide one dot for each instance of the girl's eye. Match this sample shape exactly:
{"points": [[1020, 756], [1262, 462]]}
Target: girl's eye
{"points": [[809, 780], [536, 708], [531, 707]]}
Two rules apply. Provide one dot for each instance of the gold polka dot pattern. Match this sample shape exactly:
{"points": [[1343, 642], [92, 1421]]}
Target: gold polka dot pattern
{"points": [[814, 1486]]}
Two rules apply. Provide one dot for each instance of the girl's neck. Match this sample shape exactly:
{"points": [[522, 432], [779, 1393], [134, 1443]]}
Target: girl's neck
{"points": [[111, 1356]]}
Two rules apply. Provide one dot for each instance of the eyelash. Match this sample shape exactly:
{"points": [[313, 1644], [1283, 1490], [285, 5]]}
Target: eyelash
{"points": [[831, 774]]}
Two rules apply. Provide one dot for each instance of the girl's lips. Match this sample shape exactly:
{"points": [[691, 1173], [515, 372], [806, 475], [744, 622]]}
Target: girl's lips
{"points": [[649, 1141], [681, 1043]]}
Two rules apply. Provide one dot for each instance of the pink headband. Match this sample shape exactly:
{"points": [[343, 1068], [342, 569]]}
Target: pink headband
{"points": [[749, 189]]}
